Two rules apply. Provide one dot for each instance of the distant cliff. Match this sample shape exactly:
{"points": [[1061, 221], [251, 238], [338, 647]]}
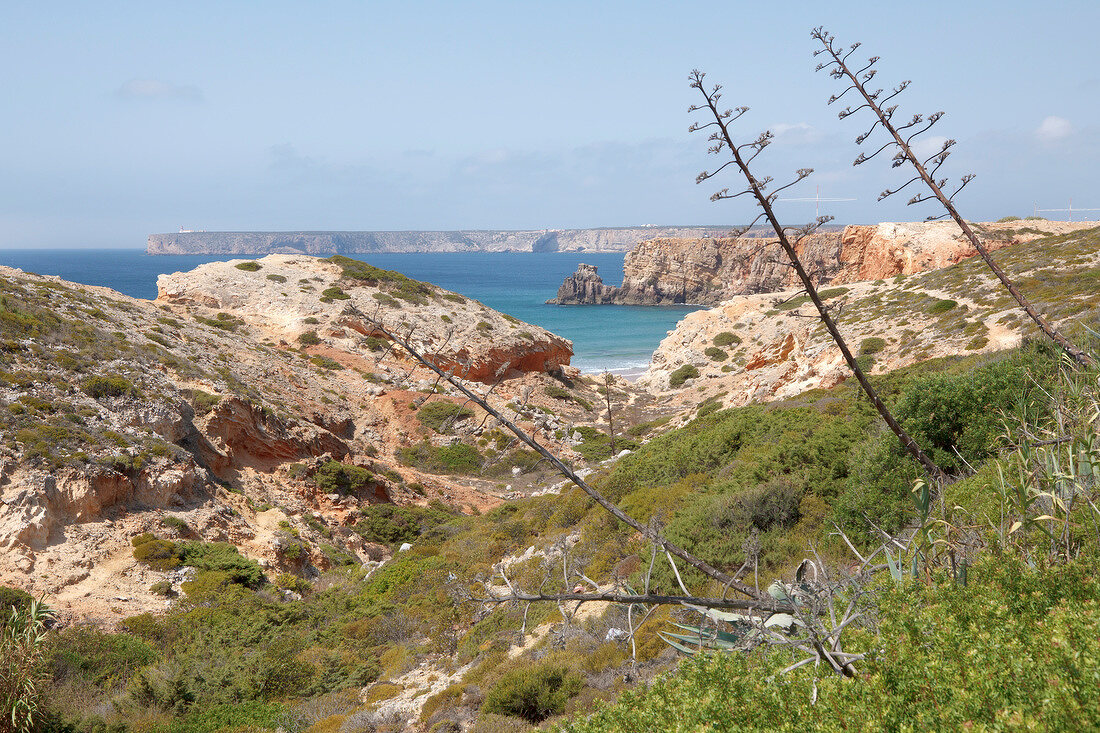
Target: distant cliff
{"points": [[707, 271], [610, 239]]}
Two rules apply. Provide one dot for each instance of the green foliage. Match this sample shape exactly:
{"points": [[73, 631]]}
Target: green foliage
{"points": [[335, 293], [204, 402], [158, 554], [99, 387], [596, 445], [87, 653], [681, 375], [872, 345], [441, 415], [222, 557], [726, 338], [276, 278], [1016, 649], [941, 306], [392, 525], [533, 693], [1004, 219], [13, 599], [458, 458], [222, 322], [334, 477], [309, 338], [22, 668], [715, 354], [250, 266], [326, 362]]}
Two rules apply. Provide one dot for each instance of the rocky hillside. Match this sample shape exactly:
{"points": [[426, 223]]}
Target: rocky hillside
{"points": [[252, 403], [609, 239], [708, 271], [758, 348]]}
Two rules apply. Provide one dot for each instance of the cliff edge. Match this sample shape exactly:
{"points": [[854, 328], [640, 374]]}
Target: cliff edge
{"points": [[607, 239], [708, 271]]}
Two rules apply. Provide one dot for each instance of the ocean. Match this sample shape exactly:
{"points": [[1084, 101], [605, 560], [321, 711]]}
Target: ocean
{"points": [[611, 337]]}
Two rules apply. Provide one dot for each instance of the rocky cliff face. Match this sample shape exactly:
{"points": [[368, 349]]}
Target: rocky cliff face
{"points": [[206, 415], [762, 347], [707, 271], [611, 239], [290, 295]]}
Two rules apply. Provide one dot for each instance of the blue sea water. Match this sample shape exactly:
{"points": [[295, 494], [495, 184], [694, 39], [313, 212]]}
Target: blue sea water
{"points": [[619, 338]]}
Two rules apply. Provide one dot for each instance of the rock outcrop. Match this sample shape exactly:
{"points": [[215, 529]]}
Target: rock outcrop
{"points": [[769, 346], [291, 295], [704, 271], [608, 239]]}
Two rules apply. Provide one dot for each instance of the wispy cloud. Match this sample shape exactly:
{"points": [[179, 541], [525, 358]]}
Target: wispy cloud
{"points": [[1053, 128], [157, 89], [796, 133]]}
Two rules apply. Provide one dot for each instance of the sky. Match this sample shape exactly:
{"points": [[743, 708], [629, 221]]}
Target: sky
{"points": [[118, 120]]}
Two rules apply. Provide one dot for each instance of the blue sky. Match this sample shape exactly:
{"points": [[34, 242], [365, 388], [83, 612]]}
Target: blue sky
{"points": [[122, 119]]}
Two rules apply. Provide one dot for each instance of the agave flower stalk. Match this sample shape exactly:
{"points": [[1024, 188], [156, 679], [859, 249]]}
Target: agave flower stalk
{"points": [[740, 156], [902, 136]]}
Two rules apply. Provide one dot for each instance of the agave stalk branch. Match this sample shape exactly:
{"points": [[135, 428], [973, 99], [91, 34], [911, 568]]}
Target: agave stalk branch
{"points": [[857, 80], [724, 139]]}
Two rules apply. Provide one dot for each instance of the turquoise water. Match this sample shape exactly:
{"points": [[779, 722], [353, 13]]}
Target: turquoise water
{"points": [[620, 338]]}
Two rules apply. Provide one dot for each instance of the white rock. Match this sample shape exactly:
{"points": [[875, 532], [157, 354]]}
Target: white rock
{"points": [[404, 547]]}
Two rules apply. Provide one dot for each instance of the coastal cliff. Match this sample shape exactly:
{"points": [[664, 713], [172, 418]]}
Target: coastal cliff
{"points": [[707, 271], [608, 239]]}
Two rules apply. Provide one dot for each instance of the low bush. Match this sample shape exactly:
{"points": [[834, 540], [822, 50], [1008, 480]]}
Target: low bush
{"points": [[533, 693], [250, 266], [726, 338], [276, 278], [715, 354], [872, 345], [459, 458], [681, 375], [309, 338], [441, 415], [99, 387], [941, 306], [334, 477]]}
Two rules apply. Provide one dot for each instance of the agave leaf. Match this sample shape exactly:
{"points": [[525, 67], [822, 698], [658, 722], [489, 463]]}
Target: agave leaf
{"points": [[676, 645], [778, 591], [895, 567], [781, 620]]}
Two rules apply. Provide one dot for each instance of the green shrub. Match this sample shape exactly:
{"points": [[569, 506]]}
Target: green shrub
{"points": [[1017, 649], [533, 693], [725, 338], [375, 343], [158, 554], [162, 588], [681, 375], [204, 402], [224, 558], [392, 525], [715, 354], [12, 598], [309, 338], [334, 477], [441, 415], [326, 362], [276, 278], [941, 306], [99, 387], [458, 458], [1004, 219], [872, 345], [175, 523], [250, 266], [335, 293]]}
